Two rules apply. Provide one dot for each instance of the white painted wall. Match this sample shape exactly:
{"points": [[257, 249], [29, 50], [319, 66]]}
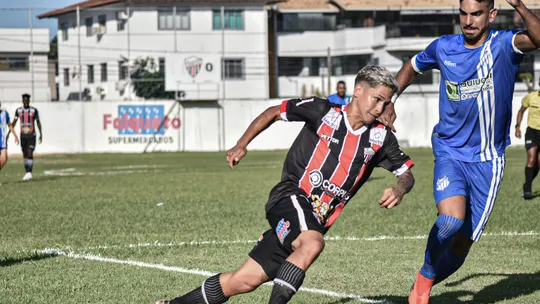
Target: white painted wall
{"points": [[88, 127], [345, 41], [15, 42]]}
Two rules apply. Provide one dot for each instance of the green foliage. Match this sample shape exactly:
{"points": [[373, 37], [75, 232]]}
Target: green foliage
{"points": [[149, 82]]}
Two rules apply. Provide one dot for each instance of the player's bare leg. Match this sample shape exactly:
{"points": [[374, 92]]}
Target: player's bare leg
{"points": [[219, 288], [451, 215], [531, 170], [307, 247], [3, 158]]}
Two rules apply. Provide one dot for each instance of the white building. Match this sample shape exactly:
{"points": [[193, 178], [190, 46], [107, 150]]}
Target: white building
{"points": [[20, 72], [359, 32], [112, 32], [269, 50]]}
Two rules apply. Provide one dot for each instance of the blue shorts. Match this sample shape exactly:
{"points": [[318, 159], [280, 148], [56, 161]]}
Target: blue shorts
{"points": [[479, 182], [3, 140]]}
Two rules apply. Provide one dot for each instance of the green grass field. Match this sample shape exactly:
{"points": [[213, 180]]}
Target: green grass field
{"points": [[134, 228]]}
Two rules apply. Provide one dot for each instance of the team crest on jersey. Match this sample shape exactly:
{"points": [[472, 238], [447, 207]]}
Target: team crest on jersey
{"points": [[368, 154], [316, 178], [332, 118], [377, 135], [442, 183]]}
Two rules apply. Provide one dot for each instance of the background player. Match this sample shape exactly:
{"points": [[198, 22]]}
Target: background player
{"points": [[478, 73], [29, 117], [5, 129], [340, 97], [532, 138], [331, 158]]}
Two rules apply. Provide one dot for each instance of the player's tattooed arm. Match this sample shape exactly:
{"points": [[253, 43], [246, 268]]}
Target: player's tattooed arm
{"points": [[263, 121], [393, 196], [405, 183]]}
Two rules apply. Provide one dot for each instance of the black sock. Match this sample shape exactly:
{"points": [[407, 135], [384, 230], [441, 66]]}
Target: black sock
{"points": [[529, 176], [211, 289], [288, 280], [536, 169]]}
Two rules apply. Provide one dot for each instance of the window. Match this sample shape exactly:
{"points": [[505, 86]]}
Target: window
{"points": [[307, 22], [290, 66], [233, 69], [161, 64], [89, 22], [122, 70], [65, 27], [425, 78], [103, 72], [102, 20], [352, 64], [165, 20], [526, 67], [13, 64], [66, 77], [234, 19], [90, 73], [120, 21]]}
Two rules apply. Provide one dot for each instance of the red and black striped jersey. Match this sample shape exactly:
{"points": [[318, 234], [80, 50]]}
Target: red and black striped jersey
{"points": [[329, 161], [27, 116]]}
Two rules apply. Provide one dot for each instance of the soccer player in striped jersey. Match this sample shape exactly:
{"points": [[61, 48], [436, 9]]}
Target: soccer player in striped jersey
{"points": [[5, 129], [332, 157], [29, 118], [478, 72]]}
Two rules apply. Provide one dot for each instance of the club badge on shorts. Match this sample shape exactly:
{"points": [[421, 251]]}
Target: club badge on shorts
{"points": [[282, 230]]}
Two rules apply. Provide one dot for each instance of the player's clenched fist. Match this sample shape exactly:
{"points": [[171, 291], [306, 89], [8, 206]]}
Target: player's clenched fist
{"points": [[391, 197], [235, 154], [514, 3]]}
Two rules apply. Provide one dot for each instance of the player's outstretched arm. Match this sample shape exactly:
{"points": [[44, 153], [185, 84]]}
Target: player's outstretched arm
{"points": [[392, 196], [405, 77], [263, 121], [529, 40]]}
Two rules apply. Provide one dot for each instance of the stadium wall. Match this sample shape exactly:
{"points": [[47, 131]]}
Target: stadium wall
{"points": [[88, 127]]}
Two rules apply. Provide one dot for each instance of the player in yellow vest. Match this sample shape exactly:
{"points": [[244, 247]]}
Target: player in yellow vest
{"points": [[532, 138]]}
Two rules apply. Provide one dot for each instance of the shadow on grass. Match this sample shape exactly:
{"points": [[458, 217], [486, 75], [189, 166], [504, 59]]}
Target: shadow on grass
{"points": [[6, 262], [509, 287]]}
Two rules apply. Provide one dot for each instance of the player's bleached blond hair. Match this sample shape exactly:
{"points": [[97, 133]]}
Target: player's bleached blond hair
{"points": [[375, 75]]}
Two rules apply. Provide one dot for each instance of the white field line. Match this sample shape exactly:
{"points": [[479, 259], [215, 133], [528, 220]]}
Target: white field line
{"points": [[330, 238], [205, 273]]}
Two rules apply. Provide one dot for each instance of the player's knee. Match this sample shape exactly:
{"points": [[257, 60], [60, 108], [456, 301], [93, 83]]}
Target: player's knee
{"points": [[448, 226], [531, 162], [238, 283], [311, 243]]}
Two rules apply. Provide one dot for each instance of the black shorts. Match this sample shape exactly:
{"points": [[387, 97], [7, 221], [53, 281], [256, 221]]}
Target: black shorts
{"points": [[532, 138], [288, 218], [28, 142]]}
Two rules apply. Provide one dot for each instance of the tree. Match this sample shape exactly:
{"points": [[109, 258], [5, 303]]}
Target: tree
{"points": [[148, 82]]}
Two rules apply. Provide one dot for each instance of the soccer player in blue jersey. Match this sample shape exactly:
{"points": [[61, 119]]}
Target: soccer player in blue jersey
{"points": [[478, 71], [5, 128], [340, 97]]}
